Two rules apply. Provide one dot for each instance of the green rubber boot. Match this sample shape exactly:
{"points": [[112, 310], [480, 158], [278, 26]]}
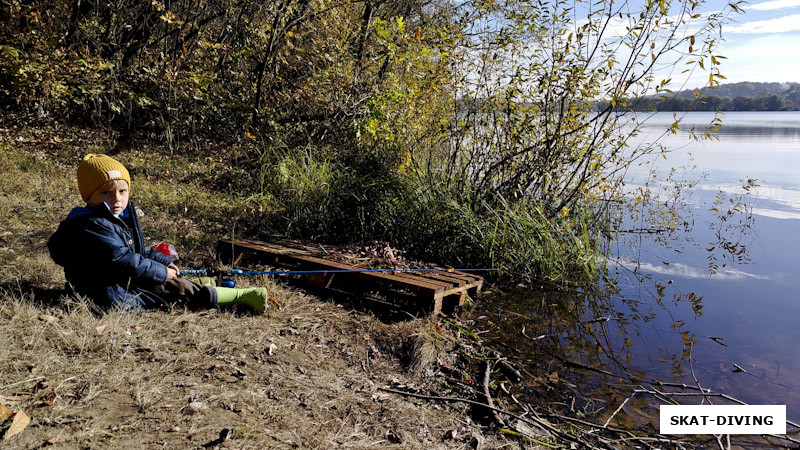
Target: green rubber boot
{"points": [[254, 298], [203, 281]]}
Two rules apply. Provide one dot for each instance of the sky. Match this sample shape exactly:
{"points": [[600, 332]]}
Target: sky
{"points": [[763, 44]]}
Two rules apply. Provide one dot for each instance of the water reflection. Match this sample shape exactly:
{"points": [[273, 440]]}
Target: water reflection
{"points": [[739, 131], [590, 340], [592, 352], [711, 301]]}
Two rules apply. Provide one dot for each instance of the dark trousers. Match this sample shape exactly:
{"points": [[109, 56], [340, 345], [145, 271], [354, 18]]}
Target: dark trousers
{"points": [[184, 292]]}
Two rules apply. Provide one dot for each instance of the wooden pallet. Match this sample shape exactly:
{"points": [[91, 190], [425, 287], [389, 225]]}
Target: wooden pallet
{"points": [[431, 292]]}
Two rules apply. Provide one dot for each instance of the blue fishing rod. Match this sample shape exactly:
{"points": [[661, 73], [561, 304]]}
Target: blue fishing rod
{"points": [[283, 272], [231, 283]]}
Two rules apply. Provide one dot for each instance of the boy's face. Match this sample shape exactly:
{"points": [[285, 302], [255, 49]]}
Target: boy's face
{"points": [[114, 193]]}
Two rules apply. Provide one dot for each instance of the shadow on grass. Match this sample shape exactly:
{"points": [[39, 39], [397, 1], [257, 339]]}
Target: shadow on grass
{"points": [[41, 296], [64, 298]]}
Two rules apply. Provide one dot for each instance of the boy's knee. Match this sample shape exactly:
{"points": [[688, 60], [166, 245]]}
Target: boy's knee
{"points": [[191, 292]]}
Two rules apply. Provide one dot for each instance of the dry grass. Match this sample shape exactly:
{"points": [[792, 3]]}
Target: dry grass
{"points": [[305, 375]]}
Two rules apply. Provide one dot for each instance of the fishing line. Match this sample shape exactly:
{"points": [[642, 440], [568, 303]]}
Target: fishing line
{"points": [[283, 272]]}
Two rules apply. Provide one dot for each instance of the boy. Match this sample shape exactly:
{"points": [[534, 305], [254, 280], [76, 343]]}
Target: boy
{"points": [[102, 250]]}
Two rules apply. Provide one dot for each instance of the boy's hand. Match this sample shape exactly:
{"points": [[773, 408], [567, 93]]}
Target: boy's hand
{"points": [[172, 271]]}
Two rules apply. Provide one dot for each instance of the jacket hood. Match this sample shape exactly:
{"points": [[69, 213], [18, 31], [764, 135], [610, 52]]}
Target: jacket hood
{"points": [[78, 211]]}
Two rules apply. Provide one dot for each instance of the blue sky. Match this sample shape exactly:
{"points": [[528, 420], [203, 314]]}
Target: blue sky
{"points": [[763, 44]]}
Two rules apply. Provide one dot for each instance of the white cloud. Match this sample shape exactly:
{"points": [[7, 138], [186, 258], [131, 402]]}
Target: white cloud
{"points": [[772, 5], [764, 57], [686, 271], [783, 196], [777, 214], [784, 24]]}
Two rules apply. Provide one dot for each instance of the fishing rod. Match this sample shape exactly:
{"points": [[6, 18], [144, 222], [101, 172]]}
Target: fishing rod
{"points": [[283, 272]]}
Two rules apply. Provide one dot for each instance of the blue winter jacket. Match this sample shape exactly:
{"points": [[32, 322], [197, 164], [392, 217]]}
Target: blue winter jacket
{"points": [[105, 257]]}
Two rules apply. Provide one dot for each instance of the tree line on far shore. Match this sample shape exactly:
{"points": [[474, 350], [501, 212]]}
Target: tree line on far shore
{"points": [[744, 96]]}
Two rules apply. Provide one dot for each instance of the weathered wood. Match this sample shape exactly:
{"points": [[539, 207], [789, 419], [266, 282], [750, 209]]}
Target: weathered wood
{"points": [[433, 290]]}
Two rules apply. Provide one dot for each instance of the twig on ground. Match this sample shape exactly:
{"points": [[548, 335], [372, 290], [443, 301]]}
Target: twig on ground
{"points": [[486, 380], [616, 411], [678, 385], [531, 420], [694, 377], [630, 435], [20, 382], [533, 339], [513, 370], [583, 366]]}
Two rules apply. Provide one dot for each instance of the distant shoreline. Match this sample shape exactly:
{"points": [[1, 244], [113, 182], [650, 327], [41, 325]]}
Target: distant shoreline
{"points": [[744, 96]]}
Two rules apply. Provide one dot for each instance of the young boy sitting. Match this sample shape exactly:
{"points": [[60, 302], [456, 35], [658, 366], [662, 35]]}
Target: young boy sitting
{"points": [[102, 250]]}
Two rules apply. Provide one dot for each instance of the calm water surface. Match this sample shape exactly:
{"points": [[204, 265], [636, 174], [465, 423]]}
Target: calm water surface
{"points": [[744, 319], [752, 303]]}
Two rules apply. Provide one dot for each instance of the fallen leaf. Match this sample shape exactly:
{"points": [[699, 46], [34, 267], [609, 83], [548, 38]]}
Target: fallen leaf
{"points": [[56, 438], [48, 318], [5, 413], [21, 420], [526, 430], [101, 329], [51, 397], [275, 302]]}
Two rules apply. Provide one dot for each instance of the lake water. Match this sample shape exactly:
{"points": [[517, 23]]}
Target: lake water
{"points": [[751, 303], [742, 321]]}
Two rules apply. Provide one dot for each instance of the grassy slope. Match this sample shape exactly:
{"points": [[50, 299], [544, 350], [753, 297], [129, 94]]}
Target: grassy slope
{"points": [[304, 375]]}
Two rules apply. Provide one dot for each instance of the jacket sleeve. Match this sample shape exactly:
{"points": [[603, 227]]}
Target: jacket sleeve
{"points": [[160, 257], [111, 247]]}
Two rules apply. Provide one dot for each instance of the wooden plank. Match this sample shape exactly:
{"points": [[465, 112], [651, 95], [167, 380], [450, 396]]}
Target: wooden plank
{"points": [[273, 247], [314, 263], [417, 278], [264, 246], [395, 279], [436, 286], [458, 281], [324, 263], [471, 277], [458, 289], [458, 277]]}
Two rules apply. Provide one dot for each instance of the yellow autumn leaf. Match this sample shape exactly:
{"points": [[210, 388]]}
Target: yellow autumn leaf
{"points": [[5, 413], [21, 420]]}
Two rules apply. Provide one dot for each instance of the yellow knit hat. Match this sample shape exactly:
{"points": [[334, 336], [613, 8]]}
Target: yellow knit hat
{"points": [[95, 170]]}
